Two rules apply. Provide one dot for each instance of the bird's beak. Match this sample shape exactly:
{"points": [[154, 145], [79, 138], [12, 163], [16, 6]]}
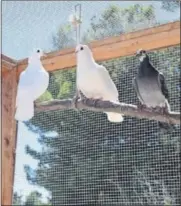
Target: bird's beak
{"points": [[76, 50], [44, 54]]}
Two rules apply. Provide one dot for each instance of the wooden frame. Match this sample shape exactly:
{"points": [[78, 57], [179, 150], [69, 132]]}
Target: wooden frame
{"points": [[9, 86], [124, 45]]}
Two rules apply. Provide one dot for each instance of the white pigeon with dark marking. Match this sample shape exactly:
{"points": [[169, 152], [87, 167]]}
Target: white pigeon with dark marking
{"points": [[94, 81], [33, 82]]}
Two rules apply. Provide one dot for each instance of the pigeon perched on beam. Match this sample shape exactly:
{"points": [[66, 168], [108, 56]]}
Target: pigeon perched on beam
{"points": [[94, 81], [150, 87], [33, 82]]}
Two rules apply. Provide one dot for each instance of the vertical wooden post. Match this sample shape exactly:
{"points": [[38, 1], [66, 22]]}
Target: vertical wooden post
{"points": [[1, 136], [9, 88]]}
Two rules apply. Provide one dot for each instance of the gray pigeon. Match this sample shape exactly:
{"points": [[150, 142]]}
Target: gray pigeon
{"points": [[150, 87]]}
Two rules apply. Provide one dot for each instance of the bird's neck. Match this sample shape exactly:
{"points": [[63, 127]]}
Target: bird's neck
{"points": [[86, 63], [34, 64], [146, 68]]}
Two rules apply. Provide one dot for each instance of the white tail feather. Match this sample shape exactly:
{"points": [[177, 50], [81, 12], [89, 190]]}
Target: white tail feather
{"points": [[167, 105], [25, 111], [114, 117]]}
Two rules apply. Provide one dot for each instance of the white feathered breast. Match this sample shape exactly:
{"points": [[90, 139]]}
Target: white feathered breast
{"points": [[32, 84], [96, 83]]}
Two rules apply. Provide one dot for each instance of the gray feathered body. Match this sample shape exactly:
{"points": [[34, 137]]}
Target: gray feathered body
{"points": [[150, 86]]}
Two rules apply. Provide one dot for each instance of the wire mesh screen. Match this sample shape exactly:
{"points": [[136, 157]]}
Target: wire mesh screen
{"points": [[84, 159], [44, 24], [78, 157]]}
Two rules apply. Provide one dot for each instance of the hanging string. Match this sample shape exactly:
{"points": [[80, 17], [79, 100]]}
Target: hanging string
{"points": [[78, 22]]}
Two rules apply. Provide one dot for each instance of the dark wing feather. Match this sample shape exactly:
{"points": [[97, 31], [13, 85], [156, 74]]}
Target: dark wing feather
{"points": [[163, 85], [135, 85], [152, 67]]}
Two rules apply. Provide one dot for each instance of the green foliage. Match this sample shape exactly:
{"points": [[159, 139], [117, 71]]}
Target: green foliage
{"points": [[17, 199], [62, 83], [170, 5], [67, 81], [91, 160], [33, 199], [63, 38], [45, 97], [115, 20]]}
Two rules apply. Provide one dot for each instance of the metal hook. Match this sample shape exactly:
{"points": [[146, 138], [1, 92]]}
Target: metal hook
{"points": [[78, 10]]}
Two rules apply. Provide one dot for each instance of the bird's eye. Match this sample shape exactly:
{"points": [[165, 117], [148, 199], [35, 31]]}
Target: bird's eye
{"points": [[81, 48], [38, 51]]}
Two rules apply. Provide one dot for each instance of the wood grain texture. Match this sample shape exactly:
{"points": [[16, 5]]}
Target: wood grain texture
{"points": [[8, 59], [7, 64], [9, 86], [106, 106], [113, 47]]}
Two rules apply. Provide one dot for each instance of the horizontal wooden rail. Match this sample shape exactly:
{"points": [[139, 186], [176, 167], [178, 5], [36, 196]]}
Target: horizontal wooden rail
{"points": [[8, 59], [124, 45]]}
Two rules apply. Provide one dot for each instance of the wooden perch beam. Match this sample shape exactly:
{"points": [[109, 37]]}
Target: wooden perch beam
{"points": [[113, 47], [106, 106]]}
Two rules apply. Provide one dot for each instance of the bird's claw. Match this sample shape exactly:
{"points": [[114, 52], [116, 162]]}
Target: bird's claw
{"points": [[84, 100], [90, 101], [156, 109], [162, 110], [74, 101], [94, 101], [141, 106]]}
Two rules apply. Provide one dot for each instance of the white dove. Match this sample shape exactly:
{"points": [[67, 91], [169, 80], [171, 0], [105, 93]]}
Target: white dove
{"points": [[94, 81], [33, 82]]}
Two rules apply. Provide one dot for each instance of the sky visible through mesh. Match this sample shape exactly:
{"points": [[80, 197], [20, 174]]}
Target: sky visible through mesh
{"points": [[29, 24], [80, 156]]}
